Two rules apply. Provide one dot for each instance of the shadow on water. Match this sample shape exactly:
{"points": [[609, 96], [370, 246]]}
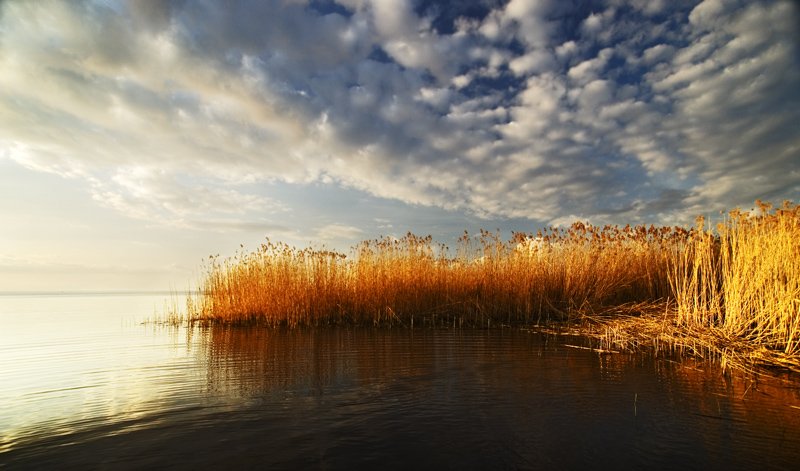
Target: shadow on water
{"points": [[440, 399]]}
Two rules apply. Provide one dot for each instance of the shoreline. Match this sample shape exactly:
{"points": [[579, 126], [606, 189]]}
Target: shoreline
{"points": [[732, 292], [637, 329]]}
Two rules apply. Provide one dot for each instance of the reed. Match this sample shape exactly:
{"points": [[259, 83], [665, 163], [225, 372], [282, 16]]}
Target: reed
{"points": [[714, 290], [743, 280], [552, 275], [735, 295]]}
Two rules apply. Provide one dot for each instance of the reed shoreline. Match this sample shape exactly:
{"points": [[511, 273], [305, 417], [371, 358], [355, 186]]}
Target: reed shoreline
{"points": [[731, 293], [655, 329]]}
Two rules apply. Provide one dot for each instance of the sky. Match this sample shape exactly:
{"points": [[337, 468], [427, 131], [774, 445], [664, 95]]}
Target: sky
{"points": [[137, 138]]}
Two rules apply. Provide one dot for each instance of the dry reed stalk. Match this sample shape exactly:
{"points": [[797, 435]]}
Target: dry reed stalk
{"points": [[739, 285], [413, 280], [744, 280], [657, 329]]}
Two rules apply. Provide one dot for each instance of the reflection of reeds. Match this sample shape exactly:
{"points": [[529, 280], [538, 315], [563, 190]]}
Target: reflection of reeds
{"points": [[741, 282], [401, 365]]}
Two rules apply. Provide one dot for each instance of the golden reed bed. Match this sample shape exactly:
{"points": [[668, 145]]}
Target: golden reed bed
{"points": [[735, 285]]}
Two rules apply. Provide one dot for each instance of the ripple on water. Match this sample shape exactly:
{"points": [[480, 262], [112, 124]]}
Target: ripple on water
{"points": [[85, 385]]}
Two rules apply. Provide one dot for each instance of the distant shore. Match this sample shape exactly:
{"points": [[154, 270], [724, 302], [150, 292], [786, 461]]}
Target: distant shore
{"points": [[95, 293]]}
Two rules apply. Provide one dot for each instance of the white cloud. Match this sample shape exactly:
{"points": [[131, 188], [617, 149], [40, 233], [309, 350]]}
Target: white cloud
{"points": [[439, 98], [186, 109], [648, 7], [152, 194], [338, 232], [657, 53], [598, 26], [534, 62], [410, 40], [594, 94], [590, 69], [730, 112], [566, 50], [593, 23], [707, 13], [530, 18]]}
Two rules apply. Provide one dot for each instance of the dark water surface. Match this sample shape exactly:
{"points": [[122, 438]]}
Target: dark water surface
{"points": [[83, 384]]}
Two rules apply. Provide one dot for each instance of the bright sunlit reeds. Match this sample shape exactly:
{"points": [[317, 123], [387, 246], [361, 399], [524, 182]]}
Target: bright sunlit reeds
{"points": [[740, 282], [745, 278], [412, 280]]}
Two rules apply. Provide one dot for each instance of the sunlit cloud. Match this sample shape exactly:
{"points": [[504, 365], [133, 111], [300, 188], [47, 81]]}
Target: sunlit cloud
{"points": [[338, 231], [185, 113]]}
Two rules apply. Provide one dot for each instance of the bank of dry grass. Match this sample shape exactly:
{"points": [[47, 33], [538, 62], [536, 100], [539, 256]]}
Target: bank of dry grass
{"points": [[655, 328], [734, 287], [744, 279], [528, 279]]}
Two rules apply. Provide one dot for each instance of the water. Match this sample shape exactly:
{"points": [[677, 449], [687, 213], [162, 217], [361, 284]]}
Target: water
{"points": [[83, 384]]}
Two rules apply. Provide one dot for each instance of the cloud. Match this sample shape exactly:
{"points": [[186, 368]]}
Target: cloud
{"points": [[152, 194], [657, 53], [647, 7], [253, 225], [733, 105], [337, 232], [536, 62], [189, 111], [590, 69], [707, 13]]}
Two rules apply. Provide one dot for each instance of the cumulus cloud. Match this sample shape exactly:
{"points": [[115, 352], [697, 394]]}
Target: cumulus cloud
{"points": [[152, 194], [338, 231], [734, 104], [628, 111]]}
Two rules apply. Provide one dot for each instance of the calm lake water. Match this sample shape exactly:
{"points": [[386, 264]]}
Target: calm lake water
{"points": [[84, 384]]}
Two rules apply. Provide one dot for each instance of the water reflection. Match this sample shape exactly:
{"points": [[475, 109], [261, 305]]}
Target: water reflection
{"points": [[380, 398], [516, 397], [79, 362], [247, 362]]}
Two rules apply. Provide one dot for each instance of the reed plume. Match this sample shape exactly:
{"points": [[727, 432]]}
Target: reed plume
{"points": [[737, 284], [528, 279], [744, 279]]}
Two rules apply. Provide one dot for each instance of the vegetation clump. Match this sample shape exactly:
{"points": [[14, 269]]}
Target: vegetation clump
{"points": [[739, 282]]}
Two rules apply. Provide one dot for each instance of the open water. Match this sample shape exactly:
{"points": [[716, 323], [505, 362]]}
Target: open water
{"points": [[85, 385]]}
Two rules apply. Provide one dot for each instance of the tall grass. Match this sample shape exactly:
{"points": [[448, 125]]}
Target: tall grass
{"points": [[744, 280], [739, 282], [732, 291], [413, 281]]}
